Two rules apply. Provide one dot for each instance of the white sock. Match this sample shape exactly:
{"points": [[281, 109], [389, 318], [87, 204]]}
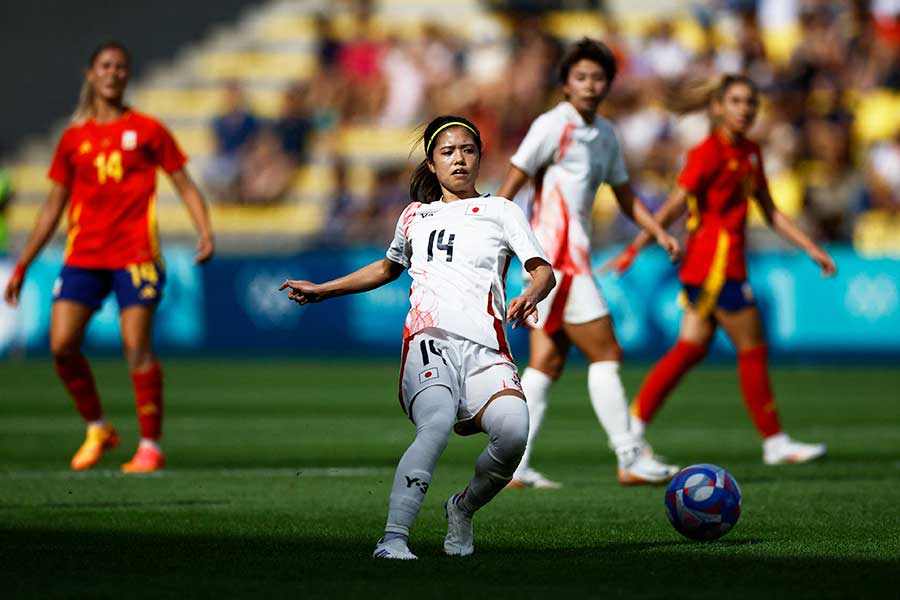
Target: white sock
{"points": [[610, 405], [148, 443], [434, 411], [505, 420], [638, 427], [774, 441], [536, 386]]}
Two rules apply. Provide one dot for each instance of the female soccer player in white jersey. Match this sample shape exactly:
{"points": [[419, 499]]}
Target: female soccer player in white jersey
{"points": [[456, 371], [569, 151]]}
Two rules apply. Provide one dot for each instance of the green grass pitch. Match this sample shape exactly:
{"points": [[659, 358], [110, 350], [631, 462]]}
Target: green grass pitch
{"points": [[280, 472]]}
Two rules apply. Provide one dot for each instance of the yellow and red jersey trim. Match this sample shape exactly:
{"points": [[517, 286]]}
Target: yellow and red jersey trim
{"points": [[74, 229], [715, 278]]}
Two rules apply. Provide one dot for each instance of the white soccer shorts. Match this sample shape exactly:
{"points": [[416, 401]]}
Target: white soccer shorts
{"points": [[472, 372], [576, 299]]}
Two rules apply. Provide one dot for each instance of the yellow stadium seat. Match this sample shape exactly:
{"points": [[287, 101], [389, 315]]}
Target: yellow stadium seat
{"points": [[30, 179], [877, 233], [288, 28], [568, 25], [877, 116], [787, 194], [376, 143], [781, 43], [249, 66]]}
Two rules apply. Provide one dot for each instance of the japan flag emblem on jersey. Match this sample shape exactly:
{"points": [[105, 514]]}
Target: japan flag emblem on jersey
{"points": [[428, 375], [476, 209], [129, 139]]}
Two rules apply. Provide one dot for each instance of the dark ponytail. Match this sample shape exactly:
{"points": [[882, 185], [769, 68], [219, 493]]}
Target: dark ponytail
{"points": [[424, 186]]}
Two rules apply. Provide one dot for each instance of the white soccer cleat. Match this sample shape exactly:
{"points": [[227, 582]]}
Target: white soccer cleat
{"points": [[460, 540], [529, 478], [395, 549], [780, 449], [639, 466]]}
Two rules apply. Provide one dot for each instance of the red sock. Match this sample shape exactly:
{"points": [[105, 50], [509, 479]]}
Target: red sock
{"points": [[754, 376], [148, 396], [76, 375], [663, 377]]}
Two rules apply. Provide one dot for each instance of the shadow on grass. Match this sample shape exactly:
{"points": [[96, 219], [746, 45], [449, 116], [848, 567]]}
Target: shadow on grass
{"points": [[48, 563]]}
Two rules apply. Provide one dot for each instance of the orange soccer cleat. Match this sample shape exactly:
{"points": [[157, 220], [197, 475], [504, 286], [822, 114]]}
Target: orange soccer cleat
{"points": [[99, 439], [146, 459]]}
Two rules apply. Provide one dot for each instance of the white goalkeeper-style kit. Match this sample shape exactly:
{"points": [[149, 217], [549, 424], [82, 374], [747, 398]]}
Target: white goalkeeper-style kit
{"points": [[458, 255], [569, 159]]}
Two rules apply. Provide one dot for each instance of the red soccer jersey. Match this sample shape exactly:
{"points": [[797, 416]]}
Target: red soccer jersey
{"points": [[721, 177], [110, 170]]}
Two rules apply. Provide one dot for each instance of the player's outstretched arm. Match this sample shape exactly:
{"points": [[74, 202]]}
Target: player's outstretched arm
{"points": [[632, 206], [667, 213], [515, 179], [542, 281], [787, 229], [196, 206], [368, 278], [47, 222]]}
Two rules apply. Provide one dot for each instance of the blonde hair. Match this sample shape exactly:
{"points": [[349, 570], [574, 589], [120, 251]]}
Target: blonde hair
{"points": [[84, 111], [689, 95]]}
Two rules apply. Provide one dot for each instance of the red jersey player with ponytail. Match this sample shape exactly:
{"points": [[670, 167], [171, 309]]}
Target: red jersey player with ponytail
{"points": [[721, 174], [105, 169]]}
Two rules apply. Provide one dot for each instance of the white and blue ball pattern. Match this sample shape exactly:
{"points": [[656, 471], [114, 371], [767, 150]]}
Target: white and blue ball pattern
{"points": [[703, 502]]}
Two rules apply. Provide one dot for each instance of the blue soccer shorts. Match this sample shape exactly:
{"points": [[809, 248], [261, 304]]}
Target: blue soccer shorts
{"points": [[136, 284], [733, 296]]}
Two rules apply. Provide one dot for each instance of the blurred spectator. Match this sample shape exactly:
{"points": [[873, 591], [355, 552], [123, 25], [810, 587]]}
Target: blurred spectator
{"points": [[405, 84], [390, 197], [266, 171], [663, 55], [834, 190], [232, 130], [295, 124], [884, 175], [6, 193], [344, 222], [360, 64]]}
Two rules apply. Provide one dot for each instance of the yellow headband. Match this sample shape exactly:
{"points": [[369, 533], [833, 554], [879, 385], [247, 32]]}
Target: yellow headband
{"points": [[445, 126]]}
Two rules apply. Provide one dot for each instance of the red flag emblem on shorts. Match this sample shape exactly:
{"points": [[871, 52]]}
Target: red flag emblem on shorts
{"points": [[476, 209], [428, 375]]}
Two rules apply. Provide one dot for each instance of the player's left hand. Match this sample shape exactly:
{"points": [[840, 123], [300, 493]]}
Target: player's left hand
{"points": [[670, 245], [205, 248], [520, 308], [824, 260]]}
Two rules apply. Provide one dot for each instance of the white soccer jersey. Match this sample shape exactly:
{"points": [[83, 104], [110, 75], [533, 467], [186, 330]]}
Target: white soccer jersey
{"points": [[458, 254], [570, 159]]}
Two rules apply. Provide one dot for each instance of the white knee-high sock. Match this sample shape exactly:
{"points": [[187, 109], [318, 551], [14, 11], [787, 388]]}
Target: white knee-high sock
{"points": [[434, 411], [506, 422], [610, 404], [536, 386]]}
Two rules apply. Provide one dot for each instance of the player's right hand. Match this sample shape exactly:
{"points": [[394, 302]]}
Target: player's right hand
{"points": [[825, 262], [620, 262], [14, 285], [302, 292]]}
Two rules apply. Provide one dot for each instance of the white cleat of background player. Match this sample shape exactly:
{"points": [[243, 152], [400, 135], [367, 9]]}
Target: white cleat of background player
{"points": [[780, 449]]}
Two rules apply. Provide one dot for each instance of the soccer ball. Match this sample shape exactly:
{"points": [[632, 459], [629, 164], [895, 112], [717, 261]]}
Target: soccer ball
{"points": [[703, 502]]}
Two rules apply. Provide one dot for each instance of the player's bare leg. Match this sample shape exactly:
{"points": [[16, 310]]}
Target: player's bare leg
{"points": [[546, 363], [68, 321], [597, 341], [146, 377], [744, 327]]}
